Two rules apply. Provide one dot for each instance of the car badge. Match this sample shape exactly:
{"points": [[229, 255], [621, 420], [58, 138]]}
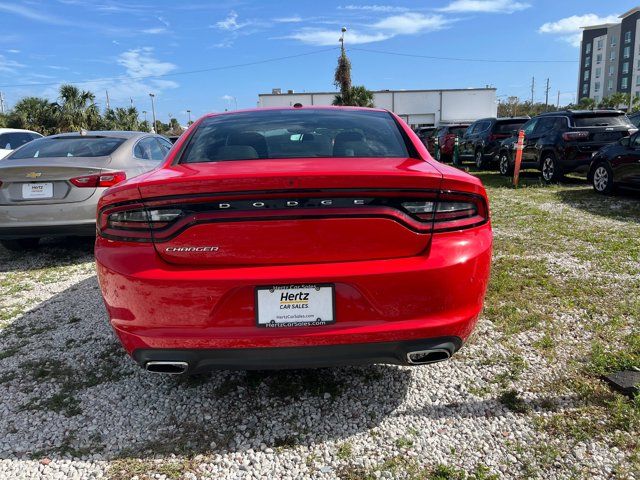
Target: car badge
{"points": [[33, 175]]}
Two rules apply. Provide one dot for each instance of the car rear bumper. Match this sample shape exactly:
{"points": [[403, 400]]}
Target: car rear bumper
{"points": [[80, 230], [26, 220], [396, 353], [154, 305]]}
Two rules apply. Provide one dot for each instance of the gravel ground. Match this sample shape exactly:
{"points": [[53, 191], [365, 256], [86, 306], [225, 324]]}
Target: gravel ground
{"points": [[73, 405]]}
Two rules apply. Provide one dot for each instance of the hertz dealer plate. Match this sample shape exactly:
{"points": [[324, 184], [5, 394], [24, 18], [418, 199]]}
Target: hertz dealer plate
{"points": [[37, 190], [295, 306]]}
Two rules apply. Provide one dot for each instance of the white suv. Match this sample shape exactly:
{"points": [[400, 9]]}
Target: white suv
{"points": [[12, 138]]}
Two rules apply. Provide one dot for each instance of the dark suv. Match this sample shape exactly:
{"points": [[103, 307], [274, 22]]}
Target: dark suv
{"points": [[561, 142], [482, 139]]}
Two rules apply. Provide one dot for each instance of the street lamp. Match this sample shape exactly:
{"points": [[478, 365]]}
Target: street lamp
{"points": [[188, 117], [153, 113]]}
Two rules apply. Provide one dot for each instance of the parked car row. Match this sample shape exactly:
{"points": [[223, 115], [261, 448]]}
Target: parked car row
{"points": [[12, 138], [50, 186], [601, 143]]}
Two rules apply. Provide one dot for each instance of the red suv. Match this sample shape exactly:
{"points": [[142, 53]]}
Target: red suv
{"points": [[297, 237], [446, 136]]}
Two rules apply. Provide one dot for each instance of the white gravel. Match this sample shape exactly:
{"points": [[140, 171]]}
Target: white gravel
{"points": [[73, 405]]}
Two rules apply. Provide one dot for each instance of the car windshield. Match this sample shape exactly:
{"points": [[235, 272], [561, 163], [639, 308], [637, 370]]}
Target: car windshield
{"points": [[601, 121], [508, 128], [295, 134], [68, 147]]}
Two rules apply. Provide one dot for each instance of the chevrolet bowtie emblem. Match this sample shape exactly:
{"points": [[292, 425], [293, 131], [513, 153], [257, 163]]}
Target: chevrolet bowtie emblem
{"points": [[33, 175]]}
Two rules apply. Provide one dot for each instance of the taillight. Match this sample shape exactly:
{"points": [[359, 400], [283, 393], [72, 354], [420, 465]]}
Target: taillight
{"points": [[452, 211], [108, 179], [136, 224], [574, 136]]}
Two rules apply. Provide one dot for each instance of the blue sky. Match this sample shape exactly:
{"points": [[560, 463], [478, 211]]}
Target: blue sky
{"points": [[134, 47]]}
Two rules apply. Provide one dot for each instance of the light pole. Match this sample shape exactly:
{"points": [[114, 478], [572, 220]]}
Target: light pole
{"points": [[188, 117], [144, 112], [153, 113]]}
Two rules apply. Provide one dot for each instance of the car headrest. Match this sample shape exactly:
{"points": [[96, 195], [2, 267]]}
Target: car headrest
{"points": [[350, 144], [252, 139], [236, 152]]}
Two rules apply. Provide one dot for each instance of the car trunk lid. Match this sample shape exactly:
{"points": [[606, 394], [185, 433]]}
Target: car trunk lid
{"points": [[47, 180], [273, 212]]}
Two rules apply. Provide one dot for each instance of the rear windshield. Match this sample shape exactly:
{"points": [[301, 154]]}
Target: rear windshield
{"points": [[509, 127], [68, 147], [457, 131], [601, 121], [295, 134]]}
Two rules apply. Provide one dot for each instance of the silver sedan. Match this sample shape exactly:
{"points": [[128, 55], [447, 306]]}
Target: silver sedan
{"points": [[51, 186]]}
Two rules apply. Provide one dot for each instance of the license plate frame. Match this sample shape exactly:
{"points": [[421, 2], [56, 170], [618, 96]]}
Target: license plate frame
{"points": [[318, 312], [37, 190]]}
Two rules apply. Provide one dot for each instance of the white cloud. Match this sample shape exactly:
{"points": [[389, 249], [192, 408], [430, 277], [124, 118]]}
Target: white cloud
{"points": [[291, 19], [9, 66], [569, 28], [485, 6], [140, 62], [374, 8], [322, 37], [155, 31], [230, 23], [13, 50], [411, 23], [30, 14]]}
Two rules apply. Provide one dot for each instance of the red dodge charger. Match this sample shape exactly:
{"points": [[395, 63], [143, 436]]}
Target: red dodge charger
{"points": [[294, 237]]}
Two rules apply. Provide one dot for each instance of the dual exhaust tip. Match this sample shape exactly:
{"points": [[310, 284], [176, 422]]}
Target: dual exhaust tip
{"points": [[417, 357], [423, 357], [168, 368]]}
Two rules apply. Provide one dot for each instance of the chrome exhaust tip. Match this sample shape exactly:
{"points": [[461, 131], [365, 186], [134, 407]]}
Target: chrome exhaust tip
{"points": [[168, 368], [422, 357]]}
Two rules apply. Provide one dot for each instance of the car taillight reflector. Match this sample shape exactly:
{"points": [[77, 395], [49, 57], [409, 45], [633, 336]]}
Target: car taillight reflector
{"points": [[573, 136], [451, 212], [142, 219], [108, 179]]}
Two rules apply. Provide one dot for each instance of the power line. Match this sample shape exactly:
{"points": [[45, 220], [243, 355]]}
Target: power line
{"points": [[456, 59], [174, 74]]}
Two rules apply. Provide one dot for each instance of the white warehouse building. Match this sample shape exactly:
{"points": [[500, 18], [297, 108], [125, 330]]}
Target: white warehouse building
{"points": [[416, 107]]}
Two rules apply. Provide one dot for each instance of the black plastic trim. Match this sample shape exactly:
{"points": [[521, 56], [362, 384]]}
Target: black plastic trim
{"points": [[14, 233], [283, 358]]}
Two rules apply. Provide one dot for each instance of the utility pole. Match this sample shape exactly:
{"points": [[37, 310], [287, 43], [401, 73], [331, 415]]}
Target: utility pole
{"points": [[188, 117], [546, 97], [533, 86], [1, 102], [558, 105], [153, 113], [131, 100], [108, 105]]}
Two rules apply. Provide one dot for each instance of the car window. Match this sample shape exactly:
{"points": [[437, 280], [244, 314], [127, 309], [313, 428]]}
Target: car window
{"points": [[13, 140], [165, 145], [471, 129], [508, 127], [545, 124], [68, 146], [635, 142], [601, 121], [149, 149], [304, 133], [482, 126], [459, 131], [529, 126]]}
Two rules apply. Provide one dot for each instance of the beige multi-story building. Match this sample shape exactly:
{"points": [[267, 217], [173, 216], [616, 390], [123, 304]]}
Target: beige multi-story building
{"points": [[610, 58]]}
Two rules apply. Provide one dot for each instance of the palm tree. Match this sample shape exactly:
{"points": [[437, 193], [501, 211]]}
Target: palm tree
{"points": [[618, 99], [77, 109], [342, 78], [33, 113], [121, 119], [587, 103]]}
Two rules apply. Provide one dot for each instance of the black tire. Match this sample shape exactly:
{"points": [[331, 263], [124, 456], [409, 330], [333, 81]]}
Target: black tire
{"points": [[602, 179], [20, 244], [551, 170], [480, 160], [505, 165]]}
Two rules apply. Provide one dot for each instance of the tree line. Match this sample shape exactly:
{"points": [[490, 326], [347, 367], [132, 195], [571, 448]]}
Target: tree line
{"points": [[75, 110], [514, 108]]}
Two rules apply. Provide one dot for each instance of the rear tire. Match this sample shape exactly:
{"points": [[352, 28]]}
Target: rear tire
{"points": [[550, 169], [20, 244], [480, 160], [602, 179], [504, 164]]}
